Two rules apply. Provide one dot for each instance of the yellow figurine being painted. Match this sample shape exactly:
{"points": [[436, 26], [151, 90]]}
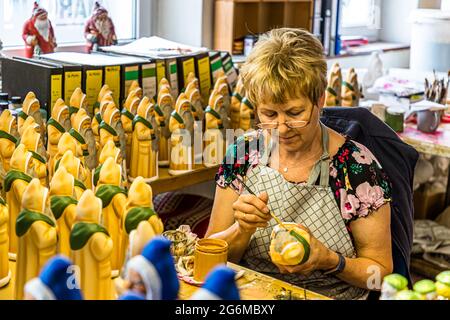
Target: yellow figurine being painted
{"points": [[247, 120], [33, 144], [91, 248], [8, 140], [235, 107], [139, 210], [31, 108], [63, 207], [351, 92], [5, 272], [164, 107], [16, 181], [214, 138], [114, 199], [129, 111], [77, 101], [180, 150], [333, 91], [144, 158], [57, 125], [37, 236]]}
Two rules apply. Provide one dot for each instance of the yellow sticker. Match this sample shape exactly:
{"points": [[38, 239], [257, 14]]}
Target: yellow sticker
{"points": [[72, 80], [112, 79], [204, 75], [188, 67], [55, 90], [160, 71], [94, 80]]}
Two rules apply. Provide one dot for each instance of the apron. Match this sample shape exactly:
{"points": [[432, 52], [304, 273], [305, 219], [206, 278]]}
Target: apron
{"points": [[311, 205]]}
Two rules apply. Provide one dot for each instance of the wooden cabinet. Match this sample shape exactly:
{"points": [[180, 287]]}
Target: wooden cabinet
{"points": [[235, 19]]}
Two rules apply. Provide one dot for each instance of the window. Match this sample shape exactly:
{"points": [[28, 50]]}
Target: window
{"points": [[68, 18], [361, 17]]}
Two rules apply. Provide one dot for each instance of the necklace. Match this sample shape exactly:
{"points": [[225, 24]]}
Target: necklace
{"points": [[286, 169]]}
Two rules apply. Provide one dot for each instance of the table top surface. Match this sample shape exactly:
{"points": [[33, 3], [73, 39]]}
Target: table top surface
{"points": [[252, 285], [437, 143]]}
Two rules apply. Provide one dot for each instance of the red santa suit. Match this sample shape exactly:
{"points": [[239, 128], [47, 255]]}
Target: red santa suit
{"points": [[39, 29], [99, 31]]}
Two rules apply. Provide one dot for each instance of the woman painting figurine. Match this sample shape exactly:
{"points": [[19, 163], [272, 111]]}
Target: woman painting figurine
{"points": [[307, 174]]}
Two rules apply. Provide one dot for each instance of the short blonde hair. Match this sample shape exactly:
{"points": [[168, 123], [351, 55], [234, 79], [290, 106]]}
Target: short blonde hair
{"points": [[286, 63]]}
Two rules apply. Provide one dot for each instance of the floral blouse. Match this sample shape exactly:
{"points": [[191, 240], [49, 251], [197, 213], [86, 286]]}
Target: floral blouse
{"points": [[357, 180]]}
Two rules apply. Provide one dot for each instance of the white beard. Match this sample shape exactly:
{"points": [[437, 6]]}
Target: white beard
{"points": [[91, 160], [66, 124], [103, 27], [43, 27], [122, 138]]}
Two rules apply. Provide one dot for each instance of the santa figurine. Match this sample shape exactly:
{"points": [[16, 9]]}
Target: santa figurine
{"points": [[38, 33], [99, 29]]}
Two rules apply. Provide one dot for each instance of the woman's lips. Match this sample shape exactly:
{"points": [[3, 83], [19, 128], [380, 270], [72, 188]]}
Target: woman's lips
{"points": [[286, 139]]}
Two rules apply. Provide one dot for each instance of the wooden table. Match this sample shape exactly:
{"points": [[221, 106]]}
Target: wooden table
{"points": [[435, 144], [167, 183], [252, 285]]}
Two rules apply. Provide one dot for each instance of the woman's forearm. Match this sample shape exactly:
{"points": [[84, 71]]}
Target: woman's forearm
{"points": [[236, 239], [364, 273]]}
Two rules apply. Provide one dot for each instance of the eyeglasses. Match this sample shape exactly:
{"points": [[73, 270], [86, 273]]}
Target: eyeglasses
{"points": [[290, 124]]}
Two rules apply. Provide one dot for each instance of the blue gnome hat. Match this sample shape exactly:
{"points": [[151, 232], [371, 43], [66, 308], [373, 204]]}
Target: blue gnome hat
{"points": [[131, 295], [157, 269], [55, 282], [220, 284]]}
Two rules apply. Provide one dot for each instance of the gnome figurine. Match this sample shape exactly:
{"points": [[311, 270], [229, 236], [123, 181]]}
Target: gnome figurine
{"points": [[74, 166], [8, 141], [194, 96], [5, 272], [114, 199], [144, 146], [247, 115], [105, 91], [155, 269], [91, 248], [109, 150], [129, 111], [38, 33], [31, 108], [37, 235], [16, 181], [99, 29], [57, 125], [220, 284], [221, 88], [333, 92], [63, 206], [214, 140], [392, 285], [180, 150], [55, 282], [351, 92], [33, 144], [77, 101], [82, 132], [111, 129], [134, 86], [165, 106], [235, 106]]}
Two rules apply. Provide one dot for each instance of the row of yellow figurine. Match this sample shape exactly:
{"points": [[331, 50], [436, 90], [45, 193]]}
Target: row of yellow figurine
{"points": [[93, 230], [342, 93]]}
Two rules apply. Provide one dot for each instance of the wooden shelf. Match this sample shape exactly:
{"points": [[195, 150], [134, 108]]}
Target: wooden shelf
{"points": [[167, 183], [234, 19]]}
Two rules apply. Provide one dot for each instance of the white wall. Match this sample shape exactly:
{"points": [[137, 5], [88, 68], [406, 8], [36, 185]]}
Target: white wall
{"points": [[395, 20]]}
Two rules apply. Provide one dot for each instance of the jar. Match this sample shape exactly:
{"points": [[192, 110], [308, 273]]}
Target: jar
{"points": [[4, 97], [16, 103], [208, 254], [395, 118], [3, 106]]}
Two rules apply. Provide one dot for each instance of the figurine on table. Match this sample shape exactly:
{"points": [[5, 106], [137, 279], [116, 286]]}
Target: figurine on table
{"points": [[111, 128], [16, 181], [55, 282], [333, 91], [214, 138], [82, 132], [57, 125], [33, 143], [77, 101], [37, 236], [99, 29], [221, 88], [351, 91], [194, 96], [153, 273], [8, 140], [38, 33], [165, 106], [91, 248], [75, 167], [5, 272], [129, 111], [180, 151], [109, 150], [31, 108], [63, 206], [114, 199], [144, 148]]}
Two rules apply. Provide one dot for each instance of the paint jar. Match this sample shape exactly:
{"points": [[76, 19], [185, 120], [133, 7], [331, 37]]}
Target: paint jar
{"points": [[395, 118], [208, 254]]}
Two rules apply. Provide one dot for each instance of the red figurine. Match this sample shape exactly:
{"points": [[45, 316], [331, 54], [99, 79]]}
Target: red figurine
{"points": [[38, 33], [99, 29]]}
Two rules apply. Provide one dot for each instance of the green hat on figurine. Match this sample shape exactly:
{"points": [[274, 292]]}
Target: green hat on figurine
{"points": [[408, 295], [443, 284], [426, 288], [392, 284]]}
